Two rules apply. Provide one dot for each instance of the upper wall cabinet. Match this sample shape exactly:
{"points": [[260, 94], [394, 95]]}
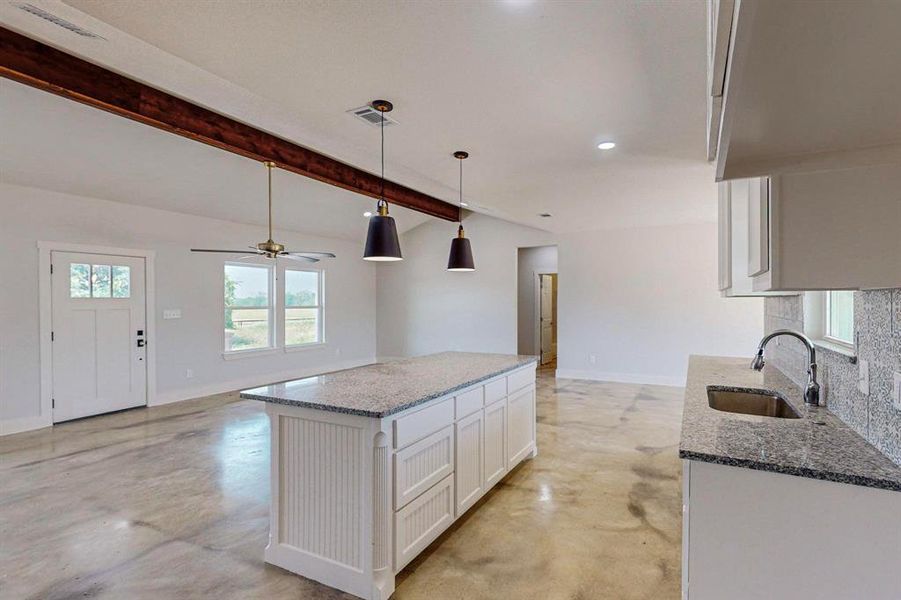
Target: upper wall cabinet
{"points": [[826, 230], [802, 86]]}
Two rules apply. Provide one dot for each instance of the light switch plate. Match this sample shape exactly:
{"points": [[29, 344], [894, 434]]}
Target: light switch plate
{"points": [[896, 391], [863, 377], [172, 313]]}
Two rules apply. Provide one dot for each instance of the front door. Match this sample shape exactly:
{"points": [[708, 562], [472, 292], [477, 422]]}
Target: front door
{"points": [[99, 334], [548, 318]]}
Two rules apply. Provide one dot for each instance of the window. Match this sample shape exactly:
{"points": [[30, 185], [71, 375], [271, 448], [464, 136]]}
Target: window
{"points": [[99, 281], [248, 307], [839, 317], [303, 307]]}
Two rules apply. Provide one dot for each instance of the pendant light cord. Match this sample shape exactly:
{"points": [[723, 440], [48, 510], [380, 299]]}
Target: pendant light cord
{"points": [[382, 190], [461, 192]]}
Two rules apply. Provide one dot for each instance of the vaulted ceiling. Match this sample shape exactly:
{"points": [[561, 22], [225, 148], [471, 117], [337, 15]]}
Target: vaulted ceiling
{"points": [[529, 88]]}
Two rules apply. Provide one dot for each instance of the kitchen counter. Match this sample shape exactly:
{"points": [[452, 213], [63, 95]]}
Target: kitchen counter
{"points": [[383, 389], [818, 445]]}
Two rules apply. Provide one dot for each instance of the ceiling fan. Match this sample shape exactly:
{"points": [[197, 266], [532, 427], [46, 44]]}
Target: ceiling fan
{"points": [[270, 248]]}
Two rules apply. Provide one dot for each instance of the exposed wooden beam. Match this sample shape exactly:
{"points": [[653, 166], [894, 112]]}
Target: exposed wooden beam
{"points": [[38, 65]]}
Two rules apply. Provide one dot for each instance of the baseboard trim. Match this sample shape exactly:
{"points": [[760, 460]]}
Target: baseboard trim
{"points": [[640, 378], [23, 424], [251, 381]]}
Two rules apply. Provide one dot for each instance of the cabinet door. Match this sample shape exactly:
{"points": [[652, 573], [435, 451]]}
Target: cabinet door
{"points": [[758, 227], [520, 425], [469, 471], [495, 442]]}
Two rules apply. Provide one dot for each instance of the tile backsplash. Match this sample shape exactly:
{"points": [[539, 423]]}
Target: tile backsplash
{"points": [[877, 322]]}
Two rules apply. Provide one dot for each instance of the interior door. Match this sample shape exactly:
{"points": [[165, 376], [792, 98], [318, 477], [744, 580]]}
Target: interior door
{"points": [[548, 318], [99, 334]]}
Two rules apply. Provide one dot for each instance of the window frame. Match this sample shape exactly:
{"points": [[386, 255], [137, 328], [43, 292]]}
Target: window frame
{"points": [[816, 324], [827, 320], [320, 306], [272, 305]]}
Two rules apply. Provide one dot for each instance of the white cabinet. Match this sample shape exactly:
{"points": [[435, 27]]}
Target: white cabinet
{"points": [[470, 471], [811, 231], [520, 425], [751, 534], [495, 442], [423, 464], [420, 522]]}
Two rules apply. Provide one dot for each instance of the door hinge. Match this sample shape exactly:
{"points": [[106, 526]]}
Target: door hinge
{"points": [[51, 269], [52, 336], [52, 402]]}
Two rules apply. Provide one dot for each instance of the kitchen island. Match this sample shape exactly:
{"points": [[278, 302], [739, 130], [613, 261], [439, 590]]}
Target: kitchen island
{"points": [[370, 465]]}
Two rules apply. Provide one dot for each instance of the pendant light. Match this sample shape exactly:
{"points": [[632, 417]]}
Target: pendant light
{"points": [[381, 239], [460, 258]]}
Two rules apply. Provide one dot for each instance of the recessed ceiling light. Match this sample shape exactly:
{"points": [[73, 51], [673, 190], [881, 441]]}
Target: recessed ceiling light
{"points": [[544, 215], [606, 145], [367, 214]]}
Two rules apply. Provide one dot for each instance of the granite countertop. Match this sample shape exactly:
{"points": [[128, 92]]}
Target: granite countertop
{"points": [[818, 445], [382, 389]]}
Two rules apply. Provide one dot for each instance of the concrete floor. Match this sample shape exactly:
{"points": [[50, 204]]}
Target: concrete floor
{"points": [[172, 502]]}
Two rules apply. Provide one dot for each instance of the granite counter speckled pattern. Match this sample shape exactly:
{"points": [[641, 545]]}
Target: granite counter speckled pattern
{"points": [[818, 445], [387, 388]]}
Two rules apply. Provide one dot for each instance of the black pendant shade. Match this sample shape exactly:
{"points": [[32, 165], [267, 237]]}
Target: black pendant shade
{"points": [[382, 243], [460, 258]]}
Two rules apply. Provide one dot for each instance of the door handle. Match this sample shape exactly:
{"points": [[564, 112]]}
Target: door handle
{"points": [[140, 343]]}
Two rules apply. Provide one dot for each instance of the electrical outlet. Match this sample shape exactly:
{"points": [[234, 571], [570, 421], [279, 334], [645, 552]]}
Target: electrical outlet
{"points": [[896, 391], [863, 377], [592, 359], [172, 313], [189, 373]]}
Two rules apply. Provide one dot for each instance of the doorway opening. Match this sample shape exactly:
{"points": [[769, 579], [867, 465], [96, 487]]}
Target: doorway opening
{"points": [[537, 304]]}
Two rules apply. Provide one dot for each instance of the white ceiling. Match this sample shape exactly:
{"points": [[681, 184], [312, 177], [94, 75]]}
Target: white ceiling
{"points": [[529, 88], [56, 144]]}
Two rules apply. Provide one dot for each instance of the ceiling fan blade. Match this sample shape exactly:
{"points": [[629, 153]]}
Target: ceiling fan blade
{"points": [[322, 254], [219, 251], [298, 258]]}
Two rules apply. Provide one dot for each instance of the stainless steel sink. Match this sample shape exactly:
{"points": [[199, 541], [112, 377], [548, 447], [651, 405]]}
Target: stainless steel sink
{"points": [[750, 402]]}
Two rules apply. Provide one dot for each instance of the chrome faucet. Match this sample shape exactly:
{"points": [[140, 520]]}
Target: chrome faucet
{"points": [[812, 391]]}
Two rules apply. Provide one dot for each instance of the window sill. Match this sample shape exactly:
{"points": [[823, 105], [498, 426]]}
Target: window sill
{"points": [[236, 354], [837, 348], [305, 347]]}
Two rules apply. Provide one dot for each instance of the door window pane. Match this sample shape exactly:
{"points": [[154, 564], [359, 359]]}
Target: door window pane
{"points": [[840, 316], [79, 281], [121, 282], [301, 326], [100, 281], [248, 307]]}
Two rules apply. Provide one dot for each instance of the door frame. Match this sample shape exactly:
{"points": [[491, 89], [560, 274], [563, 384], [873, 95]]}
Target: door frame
{"points": [[45, 317], [536, 281]]}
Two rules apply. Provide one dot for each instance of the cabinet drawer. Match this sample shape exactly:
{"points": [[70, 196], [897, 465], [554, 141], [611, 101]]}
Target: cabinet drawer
{"points": [[423, 464], [422, 423], [469, 402], [495, 390], [520, 379], [421, 521]]}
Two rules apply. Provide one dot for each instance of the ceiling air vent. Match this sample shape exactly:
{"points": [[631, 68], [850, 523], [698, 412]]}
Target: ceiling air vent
{"points": [[59, 22], [371, 116]]}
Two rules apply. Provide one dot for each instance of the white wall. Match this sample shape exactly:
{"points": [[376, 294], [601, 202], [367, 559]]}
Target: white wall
{"points": [[642, 300], [422, 308], [542, 259], [191, 282]]}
